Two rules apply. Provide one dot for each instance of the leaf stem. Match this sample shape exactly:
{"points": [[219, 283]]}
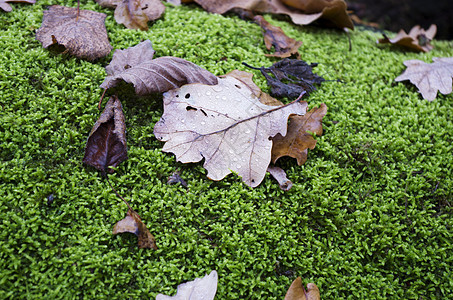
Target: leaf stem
{"points": [[118, 195], [102, 98], [78, 10]]}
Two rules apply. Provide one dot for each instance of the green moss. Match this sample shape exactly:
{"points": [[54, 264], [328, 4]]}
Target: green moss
{"points": [[369, 215]]}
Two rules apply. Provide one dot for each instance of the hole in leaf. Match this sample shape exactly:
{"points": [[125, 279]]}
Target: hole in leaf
{"points": [[190, 108], [237, 86], [204, 113], [187, 96]]}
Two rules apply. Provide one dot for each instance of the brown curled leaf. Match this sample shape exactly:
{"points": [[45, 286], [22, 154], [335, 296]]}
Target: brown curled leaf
{"points": [[133, 223], [418, 39], [297, 141], [297, 291], [106, 144]]}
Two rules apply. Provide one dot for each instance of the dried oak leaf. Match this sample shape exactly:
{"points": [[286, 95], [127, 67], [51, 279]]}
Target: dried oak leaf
{"points": [[133, 223], [224, 124], [429, 78], [291, 77], [198, 289], [334, 11], [106, 144], [418, 39], [274, 36], [297, 291], [135, 14], [297, 141], [83, 35], [136, 65], [280, 175], [6, 7]]}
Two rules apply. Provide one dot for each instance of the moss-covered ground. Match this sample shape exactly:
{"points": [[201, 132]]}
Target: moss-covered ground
{"points": [[369, 215]]}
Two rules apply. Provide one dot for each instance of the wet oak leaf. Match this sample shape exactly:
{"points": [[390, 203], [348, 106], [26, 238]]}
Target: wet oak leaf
{"points": [[274, 36], [6, 7], [297, 291], [299, 138], [83, 35], [429, 78], [136, 65], [106, 144], [133, 223], [418, 39], [224, 124], [198, 289], [135, 14]]}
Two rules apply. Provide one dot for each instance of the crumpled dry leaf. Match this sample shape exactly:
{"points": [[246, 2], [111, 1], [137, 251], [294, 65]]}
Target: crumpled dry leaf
{"points": [[83, 36], [274, 36], [225, 124], [334, 12], [199, 289], [297, 291], [133, 223], [135, 65], [106, 144], [6, 7], [418, 39], [429, 78], [291, 77], [280, 175], [297, 141], [135, 14]]}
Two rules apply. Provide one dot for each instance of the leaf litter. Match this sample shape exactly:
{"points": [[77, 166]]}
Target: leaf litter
{"points": [[81, 32]]}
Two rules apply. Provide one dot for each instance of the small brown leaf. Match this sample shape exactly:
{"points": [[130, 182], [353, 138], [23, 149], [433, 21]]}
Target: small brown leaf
{"points": [[133, 223], [274, 36], [429, 78], [135, 65], [135, 14], [83, 36], [280, 175], [106, 144], [6, 7], [297, 291], [297, 141], [418, 39]]}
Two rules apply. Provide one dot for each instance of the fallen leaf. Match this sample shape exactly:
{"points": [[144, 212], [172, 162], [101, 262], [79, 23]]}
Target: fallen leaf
{"points": [[280, 175], [225, 124], [83, 35], [6, 7], [334, 12], [429, 78], [133, 223], [299, 139], [106, 144], [199, 289], [291, 77], [176, 178], [135, 65], [274, 36], [418, 39], [297, 291], [135, 14]]}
